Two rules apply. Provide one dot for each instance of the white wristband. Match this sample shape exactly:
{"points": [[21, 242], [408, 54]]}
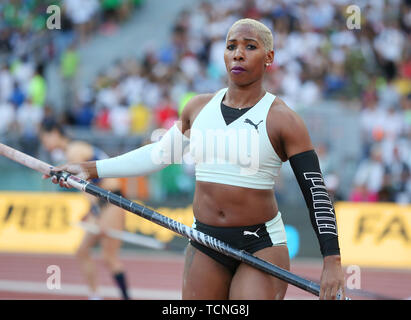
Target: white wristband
{"points": [[147, 159]]}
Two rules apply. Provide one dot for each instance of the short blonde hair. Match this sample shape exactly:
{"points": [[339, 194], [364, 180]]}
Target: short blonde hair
{"points": [[264, 33]]}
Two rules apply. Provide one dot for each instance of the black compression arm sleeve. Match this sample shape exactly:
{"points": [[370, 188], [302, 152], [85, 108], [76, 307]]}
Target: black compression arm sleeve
{"points": [[307, 170]]}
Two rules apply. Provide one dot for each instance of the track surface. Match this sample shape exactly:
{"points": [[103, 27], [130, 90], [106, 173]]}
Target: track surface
{"points": [[156, 276]]}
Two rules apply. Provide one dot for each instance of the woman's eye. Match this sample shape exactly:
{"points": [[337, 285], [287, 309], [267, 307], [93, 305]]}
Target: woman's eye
{"points": [[249, 47]]}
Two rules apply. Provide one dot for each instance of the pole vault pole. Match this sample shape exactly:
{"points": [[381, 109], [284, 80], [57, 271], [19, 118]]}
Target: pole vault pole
{"points": [[163, 221]]}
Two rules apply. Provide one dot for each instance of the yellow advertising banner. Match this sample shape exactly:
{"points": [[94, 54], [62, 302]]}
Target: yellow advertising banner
{"points": [[41, 222], [45, 222], [374, 234]]}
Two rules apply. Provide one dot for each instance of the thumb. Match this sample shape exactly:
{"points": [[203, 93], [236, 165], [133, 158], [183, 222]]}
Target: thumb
{"points": [[63, 167]]}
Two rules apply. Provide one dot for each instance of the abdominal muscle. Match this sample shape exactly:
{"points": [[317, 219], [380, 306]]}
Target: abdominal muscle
{"points": [[230, 206]]}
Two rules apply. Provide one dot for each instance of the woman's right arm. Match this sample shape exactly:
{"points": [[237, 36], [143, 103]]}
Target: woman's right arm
{"points": [[146, 159], [153, 157], [170, 149], [142, 161]]}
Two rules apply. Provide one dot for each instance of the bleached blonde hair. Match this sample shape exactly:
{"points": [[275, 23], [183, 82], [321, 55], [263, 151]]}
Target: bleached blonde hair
{"points": [[264, 33]]}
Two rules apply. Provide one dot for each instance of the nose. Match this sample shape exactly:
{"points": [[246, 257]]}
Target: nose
{"points": [[239, 53]]}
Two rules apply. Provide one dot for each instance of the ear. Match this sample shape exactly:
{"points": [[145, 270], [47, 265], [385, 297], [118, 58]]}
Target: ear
{"points": [[269, 58]]}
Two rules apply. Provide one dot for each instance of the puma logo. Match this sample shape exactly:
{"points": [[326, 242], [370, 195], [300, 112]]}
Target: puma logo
{"points": [[249, 233], [252, 123]]}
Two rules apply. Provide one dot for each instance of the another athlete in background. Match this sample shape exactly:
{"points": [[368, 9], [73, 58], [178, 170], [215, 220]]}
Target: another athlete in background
{"points": [[239, 137], [102, 213]]}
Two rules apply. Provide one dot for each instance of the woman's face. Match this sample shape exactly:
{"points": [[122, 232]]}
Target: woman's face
{"points": [[245, 57]]}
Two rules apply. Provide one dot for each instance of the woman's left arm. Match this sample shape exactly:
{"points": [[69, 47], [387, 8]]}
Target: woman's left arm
{"points": [[298, 148]]}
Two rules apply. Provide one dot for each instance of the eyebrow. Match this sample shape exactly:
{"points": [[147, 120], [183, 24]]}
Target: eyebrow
{"points": [[246, 39]]}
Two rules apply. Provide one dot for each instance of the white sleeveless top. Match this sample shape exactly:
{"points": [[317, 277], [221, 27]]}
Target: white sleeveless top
{"points": [[238, 154]]}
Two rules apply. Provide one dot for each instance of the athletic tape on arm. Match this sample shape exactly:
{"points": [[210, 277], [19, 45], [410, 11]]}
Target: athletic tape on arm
{"points": [[306, 168], [150, 158]]}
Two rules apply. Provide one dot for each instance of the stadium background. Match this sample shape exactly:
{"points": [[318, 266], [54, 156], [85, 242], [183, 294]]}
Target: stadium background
{"points": [[118, 69]]}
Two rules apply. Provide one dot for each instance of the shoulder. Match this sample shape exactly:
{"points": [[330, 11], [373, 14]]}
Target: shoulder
{"points": [[284, 119], [287, 129], [193, 108], [197, 102], [79, 151], [283, 115], [200, 99]]}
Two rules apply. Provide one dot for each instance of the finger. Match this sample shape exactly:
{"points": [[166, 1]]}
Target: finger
{"points": [[56, 169], [63, 183], [322, 292], [66, 185], [333, 292], [341, 291], [339, 295], [327, 292], [63, 167], [45, 176], [54, 177]]}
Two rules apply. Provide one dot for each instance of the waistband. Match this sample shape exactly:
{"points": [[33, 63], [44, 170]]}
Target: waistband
{"points": [[239, 228]]}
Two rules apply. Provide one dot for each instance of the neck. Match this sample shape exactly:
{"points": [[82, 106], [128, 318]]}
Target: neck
{"points": [[243, 97]]}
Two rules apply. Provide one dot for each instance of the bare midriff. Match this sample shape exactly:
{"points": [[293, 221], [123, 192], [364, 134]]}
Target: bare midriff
{"points": [[231, 206]]}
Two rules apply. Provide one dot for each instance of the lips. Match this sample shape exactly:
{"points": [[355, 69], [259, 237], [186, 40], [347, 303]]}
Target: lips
{"points": [[237, 70]]}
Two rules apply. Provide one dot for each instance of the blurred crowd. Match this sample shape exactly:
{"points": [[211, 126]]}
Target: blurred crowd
{"points": [[36, 33], [318, 56]]}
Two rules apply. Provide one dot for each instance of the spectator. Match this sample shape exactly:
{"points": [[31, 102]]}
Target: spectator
{"points": [[372, 124], [369, 177], [8, 117], [108, 96], [406, 107], [335, 81], [82, 14], [119, 119], [37, 90], [361, 193], [399, 175], [140, 119], [389, 42], [393, 124], [84, 115], [68, 69], [166, 113], [102, 121], [23, 72], [29, 117], [17, 97], [6, 83], [66, 36], [115, 12]]}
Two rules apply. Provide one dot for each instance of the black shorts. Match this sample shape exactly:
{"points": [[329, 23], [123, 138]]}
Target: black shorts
{"points": [[250, 238]]}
